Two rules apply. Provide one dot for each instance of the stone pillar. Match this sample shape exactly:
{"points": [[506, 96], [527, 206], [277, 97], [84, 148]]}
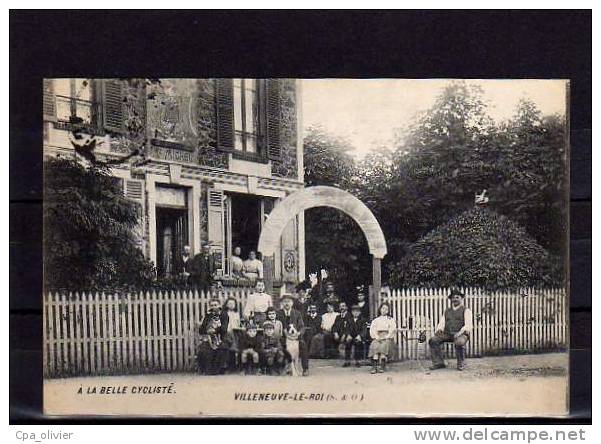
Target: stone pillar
{"points": [[268, 273], [377, 285]]}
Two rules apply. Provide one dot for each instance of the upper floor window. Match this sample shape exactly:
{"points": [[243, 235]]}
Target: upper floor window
{"points": [[247, 115], [74, 100]]}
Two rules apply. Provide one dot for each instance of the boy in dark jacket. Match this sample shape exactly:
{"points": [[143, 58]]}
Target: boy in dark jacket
{"points": [[356, 335], [312, 334], [249, 345], [271, 349]]}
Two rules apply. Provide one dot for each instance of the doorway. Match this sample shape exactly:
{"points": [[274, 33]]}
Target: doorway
{"points": [[245, 222], [172, 235]]}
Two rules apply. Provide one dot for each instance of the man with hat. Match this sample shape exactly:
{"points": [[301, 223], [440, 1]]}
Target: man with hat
{"points": [[328, 297], [455, 326], [362, 302], [290, 316]]}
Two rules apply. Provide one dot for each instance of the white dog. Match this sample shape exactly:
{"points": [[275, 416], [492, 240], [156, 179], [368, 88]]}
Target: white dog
{"points": [[292, 340]]}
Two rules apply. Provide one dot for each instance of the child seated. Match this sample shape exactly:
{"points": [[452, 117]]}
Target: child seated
{"points": [[271, 349], [249, 344]]}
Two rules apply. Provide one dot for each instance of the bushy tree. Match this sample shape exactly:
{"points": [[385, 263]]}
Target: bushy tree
{"points": [[532, 187], [89, 227], [478, 248], [455, 150]]}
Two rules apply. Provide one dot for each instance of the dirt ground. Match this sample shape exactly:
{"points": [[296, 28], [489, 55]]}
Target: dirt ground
{"points": [[507, 385]]}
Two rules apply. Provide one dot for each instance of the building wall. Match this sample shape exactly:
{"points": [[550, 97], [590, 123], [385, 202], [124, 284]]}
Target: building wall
{"points": [[182, 150]]}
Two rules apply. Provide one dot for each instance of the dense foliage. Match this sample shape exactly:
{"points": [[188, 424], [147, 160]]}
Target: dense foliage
{"points": [[432, 170], [478, 248], [89, 227]]}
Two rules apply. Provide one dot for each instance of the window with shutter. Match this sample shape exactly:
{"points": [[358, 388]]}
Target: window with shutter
{"points": [[49, 103], [272, 105], [224, 107], [112, 105]]}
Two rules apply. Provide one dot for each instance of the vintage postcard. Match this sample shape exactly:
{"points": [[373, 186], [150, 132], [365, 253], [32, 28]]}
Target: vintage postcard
{"points": [[324, 247]]}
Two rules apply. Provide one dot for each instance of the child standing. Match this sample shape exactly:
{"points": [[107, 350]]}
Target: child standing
{"points": [[230, 317], [382, 332], [271, 349], [278, 328], [312, 335], [249, 346]]}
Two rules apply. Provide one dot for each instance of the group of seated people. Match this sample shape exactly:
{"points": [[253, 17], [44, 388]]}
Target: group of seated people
{"points": [[251, 268], [258, 339], [200, 270]]}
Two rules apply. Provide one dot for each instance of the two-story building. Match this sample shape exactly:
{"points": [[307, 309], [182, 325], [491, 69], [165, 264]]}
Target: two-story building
{"points": [[220, 154]]}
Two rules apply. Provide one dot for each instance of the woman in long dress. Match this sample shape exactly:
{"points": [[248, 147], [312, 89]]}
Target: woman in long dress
{"points": [[382, 331]]}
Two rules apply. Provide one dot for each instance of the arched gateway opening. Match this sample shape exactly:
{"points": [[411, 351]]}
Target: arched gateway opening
{"points": [[323, 196]]}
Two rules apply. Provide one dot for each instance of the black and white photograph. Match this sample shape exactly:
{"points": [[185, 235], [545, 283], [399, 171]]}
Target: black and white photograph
{"points": [[256, 247]]}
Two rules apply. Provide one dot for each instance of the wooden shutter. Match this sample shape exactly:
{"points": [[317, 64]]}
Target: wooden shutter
{"points": [[49, 103], [112, 105], [216, 229], [224, 107], [134, 190], [272, 108]]}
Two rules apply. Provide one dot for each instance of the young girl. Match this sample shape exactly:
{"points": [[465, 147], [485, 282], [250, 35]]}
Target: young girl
{"points": [[231, 318], [382, 331]]}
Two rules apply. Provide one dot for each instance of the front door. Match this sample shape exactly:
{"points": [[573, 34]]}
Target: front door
{"points": [[172, 235]]}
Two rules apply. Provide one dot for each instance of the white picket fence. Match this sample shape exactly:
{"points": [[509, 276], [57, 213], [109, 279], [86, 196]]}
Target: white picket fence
{"points": [[92, 334], [523, 321]]}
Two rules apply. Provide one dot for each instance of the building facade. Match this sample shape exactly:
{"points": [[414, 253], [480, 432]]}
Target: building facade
{"points": [[215, 157]]}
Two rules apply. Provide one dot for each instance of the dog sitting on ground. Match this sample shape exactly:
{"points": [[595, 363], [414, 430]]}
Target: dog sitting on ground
{"points": [[292, 347]]}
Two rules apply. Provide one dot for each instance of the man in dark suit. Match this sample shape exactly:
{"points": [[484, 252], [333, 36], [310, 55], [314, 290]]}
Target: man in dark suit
{"points": [[356, 336], [202, 269], [339, 329], [290, 316], [183, 264]]}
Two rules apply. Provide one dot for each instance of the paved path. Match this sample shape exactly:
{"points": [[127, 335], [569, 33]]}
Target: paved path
{"points": [[517, 385]]}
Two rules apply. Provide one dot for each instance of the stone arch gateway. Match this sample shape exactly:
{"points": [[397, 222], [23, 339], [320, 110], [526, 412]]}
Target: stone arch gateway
{"points": [[324, 196]]}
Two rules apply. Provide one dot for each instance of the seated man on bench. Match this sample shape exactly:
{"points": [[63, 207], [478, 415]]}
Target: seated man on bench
{"points": [[455, 326]]}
